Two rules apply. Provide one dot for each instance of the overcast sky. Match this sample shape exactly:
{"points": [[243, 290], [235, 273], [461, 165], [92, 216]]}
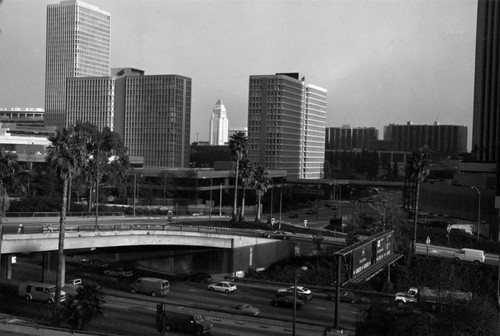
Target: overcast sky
{"points": [[382, 61]]}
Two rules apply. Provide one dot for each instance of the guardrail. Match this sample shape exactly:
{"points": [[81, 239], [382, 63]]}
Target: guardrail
{"points": [[54, 227], [58, 214]]}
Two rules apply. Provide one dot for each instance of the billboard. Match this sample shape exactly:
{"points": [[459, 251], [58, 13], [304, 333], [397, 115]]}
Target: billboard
{"points": [[382, 247], [361, 258]]}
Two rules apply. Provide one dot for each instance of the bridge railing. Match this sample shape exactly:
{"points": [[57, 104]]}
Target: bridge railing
{"points": [[58, 214], [31, 228]]}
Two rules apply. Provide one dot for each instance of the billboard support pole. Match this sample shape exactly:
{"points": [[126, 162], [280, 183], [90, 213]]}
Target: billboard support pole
{"points": [[337, 291]]}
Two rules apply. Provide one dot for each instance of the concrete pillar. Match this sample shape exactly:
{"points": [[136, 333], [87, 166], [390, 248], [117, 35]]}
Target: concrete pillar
{"points": [[49, 267], [6, 266]]}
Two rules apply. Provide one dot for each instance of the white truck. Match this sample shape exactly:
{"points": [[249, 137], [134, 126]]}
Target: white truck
{"points": [[432, 298]]}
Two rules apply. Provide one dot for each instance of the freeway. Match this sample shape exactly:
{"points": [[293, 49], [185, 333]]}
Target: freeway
{"points": [[447, 252], [134, 314]]}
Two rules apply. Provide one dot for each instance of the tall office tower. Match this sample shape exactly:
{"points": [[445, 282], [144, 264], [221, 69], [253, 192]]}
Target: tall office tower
{"points": [[154, 115], [90, 99], [286, 124], [218, 132], [441, 139], [486, 119], [78, 45]]}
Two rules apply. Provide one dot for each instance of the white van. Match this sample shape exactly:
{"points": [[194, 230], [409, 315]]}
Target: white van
{"points": [[472, 255], [151, 286], [39, 291]]}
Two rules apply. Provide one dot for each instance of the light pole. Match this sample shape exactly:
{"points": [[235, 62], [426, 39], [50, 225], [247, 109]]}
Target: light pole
{"points": [[220, 201], [296, 277], [478, 208], [210, 206], [135, 186]]}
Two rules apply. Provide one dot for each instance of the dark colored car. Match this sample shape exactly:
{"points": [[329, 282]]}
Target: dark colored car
{"points": [[346, 296], [303, 293], [286, 301], [311, 212], [198, 277], [276, 235], [294, 216]]}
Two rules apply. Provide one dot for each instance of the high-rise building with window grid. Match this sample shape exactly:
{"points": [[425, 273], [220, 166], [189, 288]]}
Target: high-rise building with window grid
{"points": [[156, 112], [77, 45], [286, 124], [151, 113], [91, 99]]}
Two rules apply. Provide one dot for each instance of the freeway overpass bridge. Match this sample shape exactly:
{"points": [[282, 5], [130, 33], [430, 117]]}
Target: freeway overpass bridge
{"points": [[229, 250]]}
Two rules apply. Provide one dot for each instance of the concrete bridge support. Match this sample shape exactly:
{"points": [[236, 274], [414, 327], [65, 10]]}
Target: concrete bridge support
{"points": [[6, 266]]}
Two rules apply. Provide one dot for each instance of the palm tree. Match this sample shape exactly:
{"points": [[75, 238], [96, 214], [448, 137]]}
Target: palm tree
{"points": [[417, 170], [8, 178], [238, 147], [261, 182], [247, 178], [78, 310], [67, 156]]}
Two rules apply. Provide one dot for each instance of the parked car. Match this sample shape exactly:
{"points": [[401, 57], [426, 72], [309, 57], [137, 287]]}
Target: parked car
{"points": [[302, 292], [247, 309], [223, 286], [200, 277], [118, 272], [311, 212], [286, 301], [294, 215], [276, 235]]}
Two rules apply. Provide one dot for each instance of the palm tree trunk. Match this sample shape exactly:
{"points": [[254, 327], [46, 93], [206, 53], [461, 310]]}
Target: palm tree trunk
{"points": [[243, 204], [69, 194], [415, 218], [235, 207], [60, 259], [257, 215]]}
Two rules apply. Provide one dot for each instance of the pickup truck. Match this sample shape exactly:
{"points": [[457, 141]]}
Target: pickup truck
{"points": [[432, 298]]}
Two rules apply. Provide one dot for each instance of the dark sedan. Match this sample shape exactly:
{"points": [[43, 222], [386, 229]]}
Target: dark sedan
{"points": [[286, 301]]}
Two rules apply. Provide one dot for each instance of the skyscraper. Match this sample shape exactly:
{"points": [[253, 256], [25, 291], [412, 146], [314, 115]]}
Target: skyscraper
{"points": [[77, 45], [218, 128], [91, 99], [152, 113], [486, 120], [286, 124]]}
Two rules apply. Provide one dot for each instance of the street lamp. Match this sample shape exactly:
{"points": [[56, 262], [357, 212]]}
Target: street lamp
{"points": [[210, 206], [135, 186], [296, 277], [220, 201], [478, 208]]}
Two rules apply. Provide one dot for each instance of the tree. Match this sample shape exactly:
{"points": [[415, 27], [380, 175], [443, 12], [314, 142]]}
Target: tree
{"points": [[108, 160], [67, 156], [79, 309], [238, 147], [261, 182], [417, 171], [9, 169], [247, 179]]}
